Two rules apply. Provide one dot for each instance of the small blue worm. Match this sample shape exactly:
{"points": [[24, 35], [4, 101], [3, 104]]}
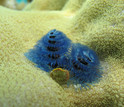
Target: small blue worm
{"points": [[50, 51]]}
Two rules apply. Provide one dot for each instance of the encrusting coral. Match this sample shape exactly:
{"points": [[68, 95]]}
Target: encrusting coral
{"points": [[8, 3], [12, 4], [98, 24], [46, 5]]}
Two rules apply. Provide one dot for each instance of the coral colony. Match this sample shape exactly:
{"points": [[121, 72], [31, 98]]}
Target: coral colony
{"points": [[55, 50]]}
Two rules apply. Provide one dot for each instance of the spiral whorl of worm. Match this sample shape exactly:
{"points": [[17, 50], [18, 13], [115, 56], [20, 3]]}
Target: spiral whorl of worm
{"points": [[50, 51], [85, 64]]}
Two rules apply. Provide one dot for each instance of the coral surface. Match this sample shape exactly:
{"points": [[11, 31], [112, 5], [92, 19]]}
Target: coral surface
{"points": [[98, 24], [8, 3]]}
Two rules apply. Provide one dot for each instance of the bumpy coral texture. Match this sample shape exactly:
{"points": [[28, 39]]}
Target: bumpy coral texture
{"points": [[8, 3], [98, 24]]}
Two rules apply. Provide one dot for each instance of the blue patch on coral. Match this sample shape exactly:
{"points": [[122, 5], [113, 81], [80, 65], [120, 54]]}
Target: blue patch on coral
{"points": [[55, 50]]}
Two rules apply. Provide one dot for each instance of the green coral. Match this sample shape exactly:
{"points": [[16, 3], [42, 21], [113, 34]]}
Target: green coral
{"points": [[46, 5], [2, 2], [96, 23]]}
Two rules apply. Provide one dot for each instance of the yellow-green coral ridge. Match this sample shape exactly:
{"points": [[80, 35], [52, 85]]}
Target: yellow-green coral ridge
{"points": [[96, 23]]}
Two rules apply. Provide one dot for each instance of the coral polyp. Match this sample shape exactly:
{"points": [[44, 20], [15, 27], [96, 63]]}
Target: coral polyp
{"points": [[50, 51]]}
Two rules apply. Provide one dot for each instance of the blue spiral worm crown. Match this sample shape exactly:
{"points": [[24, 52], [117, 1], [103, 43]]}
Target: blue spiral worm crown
{"points": [[50, 51], [55, 50], [84, 64]]}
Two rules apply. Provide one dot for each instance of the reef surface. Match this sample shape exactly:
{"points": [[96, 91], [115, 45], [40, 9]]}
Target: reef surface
{"points": [[98, 24]]}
